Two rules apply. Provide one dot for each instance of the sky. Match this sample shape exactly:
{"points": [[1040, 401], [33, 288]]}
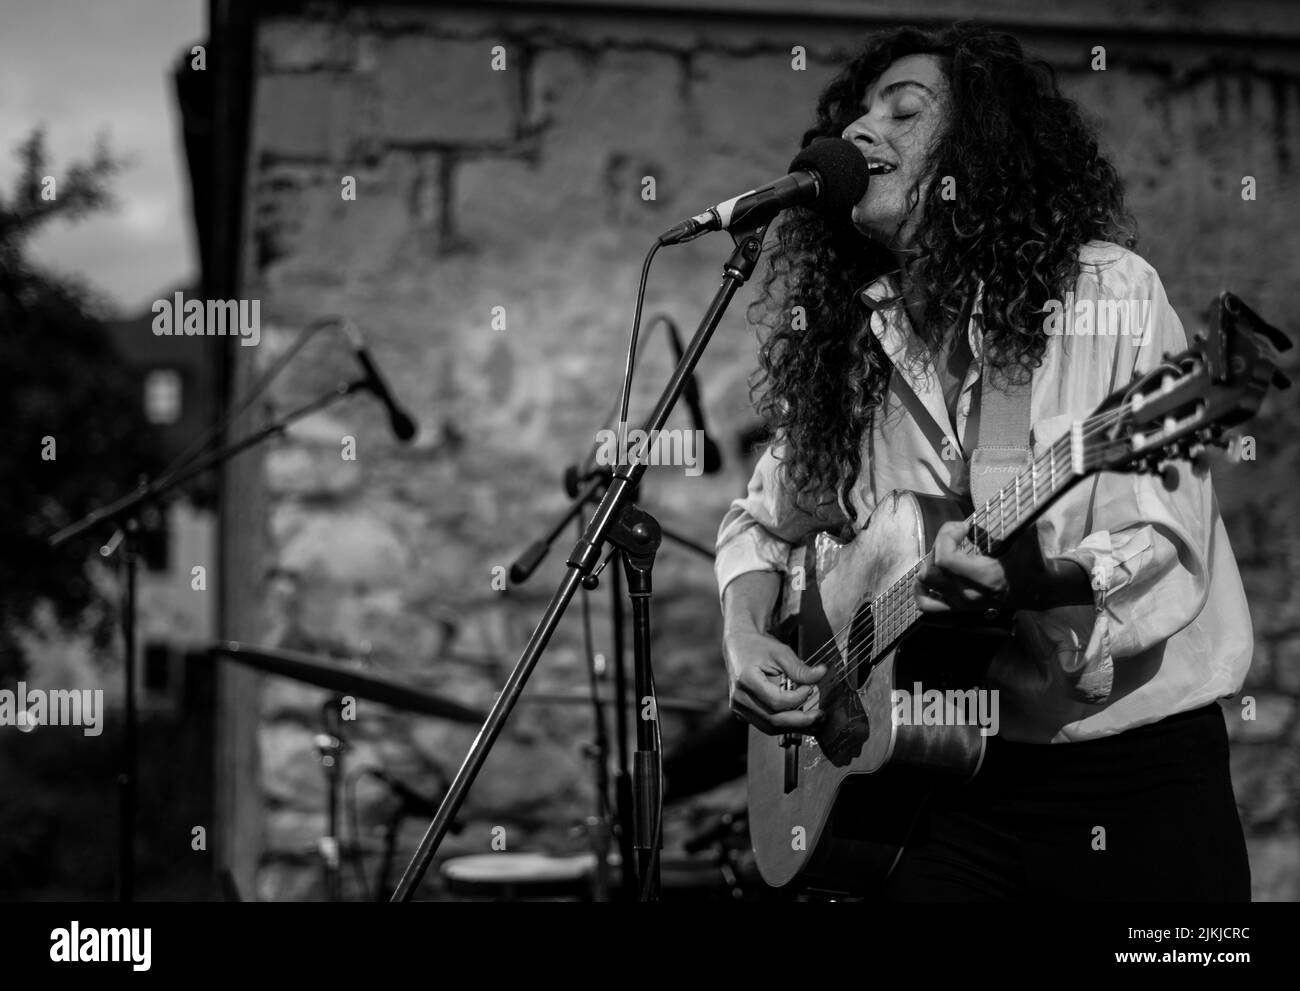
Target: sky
{"points": [[89, 67]]}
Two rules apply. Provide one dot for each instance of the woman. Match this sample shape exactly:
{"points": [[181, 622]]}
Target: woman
{"points": [[991, 204]]}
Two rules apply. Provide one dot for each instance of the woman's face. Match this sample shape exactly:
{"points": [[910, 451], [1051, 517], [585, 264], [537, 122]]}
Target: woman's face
{"points": [[902, 112]]}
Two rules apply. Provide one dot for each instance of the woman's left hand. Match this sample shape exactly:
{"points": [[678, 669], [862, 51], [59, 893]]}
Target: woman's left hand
{"points": [[955, 581]]}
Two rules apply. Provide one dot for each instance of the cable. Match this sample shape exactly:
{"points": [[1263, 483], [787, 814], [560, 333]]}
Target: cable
{"points": [[657, 839], [195, 447], [654, 321], [603, 803], [626, 395]]}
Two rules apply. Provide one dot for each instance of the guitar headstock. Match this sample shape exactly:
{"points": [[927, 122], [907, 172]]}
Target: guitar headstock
{"points": [[1190, 401]]}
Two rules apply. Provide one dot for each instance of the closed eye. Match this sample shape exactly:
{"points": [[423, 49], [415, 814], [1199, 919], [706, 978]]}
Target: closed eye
{"points": [[905, 116]]}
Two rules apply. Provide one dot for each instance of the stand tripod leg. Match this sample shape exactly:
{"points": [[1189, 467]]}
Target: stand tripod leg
{"points": [[130, 745], [600, 824], [331, 745], [622, 777]]}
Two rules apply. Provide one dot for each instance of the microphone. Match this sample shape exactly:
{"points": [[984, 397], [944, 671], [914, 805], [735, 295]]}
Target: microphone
{"points": [[411, 798], [829, 174], [403, 426], [712, 454], [576, 476], [527, 562]]}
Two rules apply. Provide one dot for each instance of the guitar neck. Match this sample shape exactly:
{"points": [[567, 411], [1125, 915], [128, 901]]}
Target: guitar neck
{"points": [[992, 527]]}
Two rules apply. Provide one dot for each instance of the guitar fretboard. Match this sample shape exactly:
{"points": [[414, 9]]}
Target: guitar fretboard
{"points": [[988, 530]]}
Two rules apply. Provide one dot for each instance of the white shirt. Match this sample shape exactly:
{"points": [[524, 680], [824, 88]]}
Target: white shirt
{"points": [[1169, 629]]}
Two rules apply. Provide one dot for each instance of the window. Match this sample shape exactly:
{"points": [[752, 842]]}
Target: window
{"points": [[162, 396]]}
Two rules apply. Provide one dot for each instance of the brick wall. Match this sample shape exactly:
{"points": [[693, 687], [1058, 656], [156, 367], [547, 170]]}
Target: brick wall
{"points": [[522, 189]]}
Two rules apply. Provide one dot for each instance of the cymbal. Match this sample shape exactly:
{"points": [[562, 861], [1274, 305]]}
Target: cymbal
{"points": [[664, 702], [327, 673]]}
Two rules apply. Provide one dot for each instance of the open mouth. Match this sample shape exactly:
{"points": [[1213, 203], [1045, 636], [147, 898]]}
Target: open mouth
{"points": [[879, 168]]}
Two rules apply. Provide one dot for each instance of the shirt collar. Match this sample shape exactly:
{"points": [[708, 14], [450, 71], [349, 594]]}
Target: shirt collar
{"points": [[881, 296]]}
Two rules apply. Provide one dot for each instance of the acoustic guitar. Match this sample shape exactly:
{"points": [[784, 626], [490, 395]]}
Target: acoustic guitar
{"points": [[832, 811]]}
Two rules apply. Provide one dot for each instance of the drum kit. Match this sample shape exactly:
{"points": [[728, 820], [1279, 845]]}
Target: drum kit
{"points": [[714, 862]]}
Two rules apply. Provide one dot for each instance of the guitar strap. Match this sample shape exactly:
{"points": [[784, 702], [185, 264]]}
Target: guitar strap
{"points": [[1003, 449]]}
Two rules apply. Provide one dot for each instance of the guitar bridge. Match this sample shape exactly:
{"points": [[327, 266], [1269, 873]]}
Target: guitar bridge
{"points": [[790, 743]]}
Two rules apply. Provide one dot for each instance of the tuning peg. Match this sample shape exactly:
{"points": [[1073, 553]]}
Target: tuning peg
{"points": [[1169, 476]]}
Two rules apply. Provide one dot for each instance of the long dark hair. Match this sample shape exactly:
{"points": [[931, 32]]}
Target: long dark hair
{"points": [[1031, 188]]}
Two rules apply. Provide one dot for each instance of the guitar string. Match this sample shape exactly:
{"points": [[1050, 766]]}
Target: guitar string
{"points": [[1051, 454], [1091, 426], [900, 615], [893, 612], [894, 615]]}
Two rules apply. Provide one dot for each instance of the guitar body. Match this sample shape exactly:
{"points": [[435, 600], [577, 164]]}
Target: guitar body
{"points": [[834, 810]]}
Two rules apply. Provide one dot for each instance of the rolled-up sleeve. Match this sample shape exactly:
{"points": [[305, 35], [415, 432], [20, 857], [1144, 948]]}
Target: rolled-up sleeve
{"points": [[1145, 545], [760, 529]]}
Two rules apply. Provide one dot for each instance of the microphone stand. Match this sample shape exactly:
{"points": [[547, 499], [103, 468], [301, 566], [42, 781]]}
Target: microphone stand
{"points": [[637, 536], [584, 490], [127, 510], [331, 747], [604, 820]]}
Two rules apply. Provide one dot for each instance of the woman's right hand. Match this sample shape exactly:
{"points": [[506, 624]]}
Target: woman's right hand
{"points": [[757, 665]]}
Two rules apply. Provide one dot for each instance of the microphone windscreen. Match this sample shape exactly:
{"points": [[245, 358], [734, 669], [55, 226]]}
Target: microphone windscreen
{"points": [[403, 426], [528, 561], [843, 172]]}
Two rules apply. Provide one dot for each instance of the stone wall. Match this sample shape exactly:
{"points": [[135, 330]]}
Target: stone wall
{"points": [[522, 188]]}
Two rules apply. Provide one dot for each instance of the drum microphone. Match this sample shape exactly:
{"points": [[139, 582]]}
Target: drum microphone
{"points": [[711, 454], [411, 799], [830, 175], [403, 426]]}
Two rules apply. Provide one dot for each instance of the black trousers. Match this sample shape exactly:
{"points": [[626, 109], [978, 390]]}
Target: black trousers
{"points": [[1145, 815]]}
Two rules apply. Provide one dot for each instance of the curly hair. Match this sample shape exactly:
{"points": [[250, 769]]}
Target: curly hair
{"points": [[1033, 189]]}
